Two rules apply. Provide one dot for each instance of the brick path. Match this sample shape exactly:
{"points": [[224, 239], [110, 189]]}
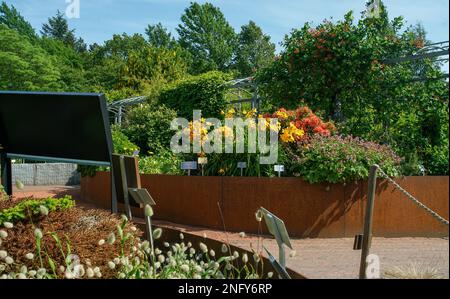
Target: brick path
{"points": [[315, 258]]}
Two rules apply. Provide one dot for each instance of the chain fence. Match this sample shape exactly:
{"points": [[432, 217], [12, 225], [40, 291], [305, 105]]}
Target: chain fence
{"points": [[412, 198]]}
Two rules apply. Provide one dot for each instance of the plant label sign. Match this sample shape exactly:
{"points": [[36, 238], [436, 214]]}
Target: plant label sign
{"points": [[279, 168], [202, 160], [242, 165], [190, 165]]}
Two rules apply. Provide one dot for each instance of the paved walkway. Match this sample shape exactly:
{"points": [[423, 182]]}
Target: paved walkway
{"points": [[315, 258]]}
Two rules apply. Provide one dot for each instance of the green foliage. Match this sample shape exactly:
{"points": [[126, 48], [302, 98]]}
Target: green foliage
{"points": [[58, 28], [339, 159], [206, 34], [25, 66], [164, 162], [338, 68], [254, 51], [205, 92], [10, 17], [148, 127], [149, 67], [122, 145], [27, 209], [159, 37]]}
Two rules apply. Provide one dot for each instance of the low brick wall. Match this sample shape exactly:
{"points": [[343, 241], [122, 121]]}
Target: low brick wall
{"points": [[320, 210], [36, 174]]}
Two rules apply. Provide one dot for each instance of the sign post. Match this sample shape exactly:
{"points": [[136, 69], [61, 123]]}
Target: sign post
{"points": [[189, 165], [242, 165], [279, 169], [202, 161]]}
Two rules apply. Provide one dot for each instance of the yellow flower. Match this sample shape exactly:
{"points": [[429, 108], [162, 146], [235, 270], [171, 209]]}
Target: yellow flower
{"points": [[221, 171]]}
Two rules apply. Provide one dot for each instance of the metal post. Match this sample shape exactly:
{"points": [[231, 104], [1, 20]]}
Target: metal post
{"points": [[114, 209], [125, 188], [148, 228], [6, 173], [281, 255], [367, 235], [242, 171]]}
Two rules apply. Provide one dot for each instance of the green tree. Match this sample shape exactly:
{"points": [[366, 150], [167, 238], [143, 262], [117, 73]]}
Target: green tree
{"points": [[254, 51], [10, 17], [159, 36], [24, 66], [58, 28], [206, 34]]}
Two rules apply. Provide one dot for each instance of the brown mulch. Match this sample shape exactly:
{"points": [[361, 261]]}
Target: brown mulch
{"points": [[84, 228]]}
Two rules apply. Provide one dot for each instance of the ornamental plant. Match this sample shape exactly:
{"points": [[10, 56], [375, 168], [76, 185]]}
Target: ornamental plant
{"points": [[338, 159]]}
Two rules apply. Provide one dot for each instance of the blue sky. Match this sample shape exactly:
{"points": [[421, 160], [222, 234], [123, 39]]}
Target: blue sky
{"points": [[100, 19]]}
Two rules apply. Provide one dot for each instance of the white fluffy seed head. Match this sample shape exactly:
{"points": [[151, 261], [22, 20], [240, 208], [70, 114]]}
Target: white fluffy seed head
{"points": [[242, 234], [212, 253], [38, 233], [43, 210], [111, 238], [101, 242], [181, 236], [224, 248], [269, 275], [90, 273], [3, 254], [258, 215], [8, 225], [3, 234], [148, 211], [293, 253], [203, 247], [184, 268], [9, 260], [157, 233], [29, 256], [245, 258], [111, 265]]}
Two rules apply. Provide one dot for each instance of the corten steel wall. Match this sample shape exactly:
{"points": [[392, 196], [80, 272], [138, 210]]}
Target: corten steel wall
{"points": [[307, 210]]}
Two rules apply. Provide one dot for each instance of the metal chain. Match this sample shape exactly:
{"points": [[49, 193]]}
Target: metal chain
{"points": [[412, 198]]}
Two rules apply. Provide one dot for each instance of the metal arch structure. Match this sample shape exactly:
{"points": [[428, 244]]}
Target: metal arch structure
{"points": [[439, 51], [118, 108], [246, 91]]}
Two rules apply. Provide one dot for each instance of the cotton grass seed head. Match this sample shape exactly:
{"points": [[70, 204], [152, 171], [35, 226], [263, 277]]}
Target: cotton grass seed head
{"points": [[224, 248], [43, 210], [101, 242], [19, 185], [203, 247], [111, 238], [270, 275], [3, 254], [181, 236], [157, 233], [9, 260], [29, 256], [8, 225], [242, 234], [293, 253], [38, 233], [90, 273], [111, 265], [245, 258], [3, 234], [184, 268], [212, 253], [148, 211]]}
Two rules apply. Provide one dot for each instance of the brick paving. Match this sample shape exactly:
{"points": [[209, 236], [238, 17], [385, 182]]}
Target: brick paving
{"points": [[315, 258]]}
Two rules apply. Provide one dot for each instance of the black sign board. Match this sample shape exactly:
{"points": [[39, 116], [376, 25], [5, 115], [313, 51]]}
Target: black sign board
{"points": [[55, 126], [60, 127]]}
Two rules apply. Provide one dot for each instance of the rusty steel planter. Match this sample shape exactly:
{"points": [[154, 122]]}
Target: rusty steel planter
{"points": [[319, 210]]}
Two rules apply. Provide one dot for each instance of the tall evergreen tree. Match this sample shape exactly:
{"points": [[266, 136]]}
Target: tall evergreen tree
{"points": [[10, 17]]}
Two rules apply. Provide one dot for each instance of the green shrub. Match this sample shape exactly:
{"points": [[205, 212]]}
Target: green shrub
{"points": [[122, 145], [162, 163], [149, 127], [339, 159], [205, 92], [32, 207]]}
